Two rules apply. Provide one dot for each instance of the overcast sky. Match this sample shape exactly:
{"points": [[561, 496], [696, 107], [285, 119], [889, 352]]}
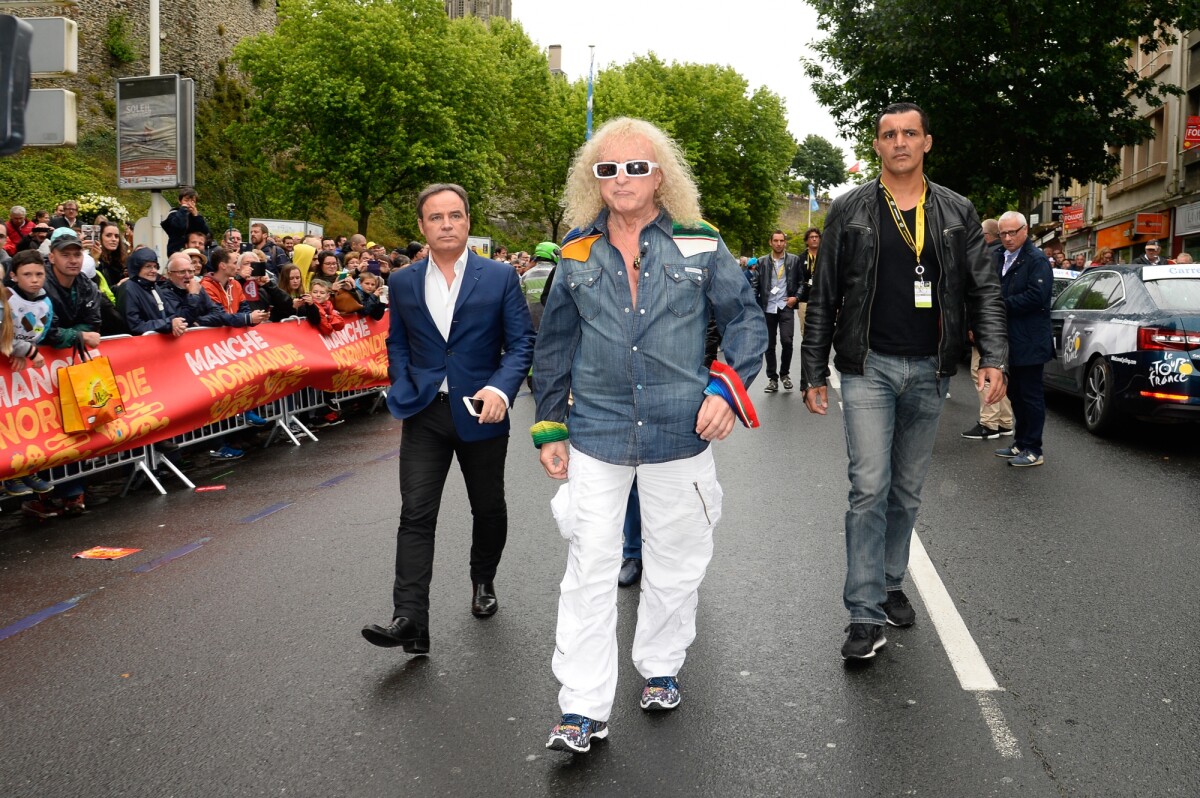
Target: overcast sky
{"points": [[762, 39]]}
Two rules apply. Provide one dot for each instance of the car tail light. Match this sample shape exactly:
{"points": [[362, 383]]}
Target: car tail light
{"points": [[1165, 338], [1168, 397]]}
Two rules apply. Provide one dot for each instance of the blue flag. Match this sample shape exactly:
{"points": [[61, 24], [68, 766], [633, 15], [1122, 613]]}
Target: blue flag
{"points": [[591, 66], [813, 205]]}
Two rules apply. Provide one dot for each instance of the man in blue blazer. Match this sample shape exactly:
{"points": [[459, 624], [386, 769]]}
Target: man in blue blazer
{"points": [[1025, 281], [460, 334]]}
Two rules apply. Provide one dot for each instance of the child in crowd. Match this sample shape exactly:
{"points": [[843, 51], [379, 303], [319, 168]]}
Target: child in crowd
{"points": [[25, 313], [367, 292], [321, 314], [320, 311]]}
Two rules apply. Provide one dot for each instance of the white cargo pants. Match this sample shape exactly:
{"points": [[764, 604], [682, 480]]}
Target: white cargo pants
{"points": [[681, 504]]}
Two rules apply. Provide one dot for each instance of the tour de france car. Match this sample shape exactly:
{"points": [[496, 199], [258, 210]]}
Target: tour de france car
{"points": [[1127, 340]]}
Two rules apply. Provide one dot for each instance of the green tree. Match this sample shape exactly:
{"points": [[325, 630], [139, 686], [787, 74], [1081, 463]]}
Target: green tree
{"points": [[407, 99], [735, 140], [232, 167], [818, 162], [544, 124], [1016, 92]]}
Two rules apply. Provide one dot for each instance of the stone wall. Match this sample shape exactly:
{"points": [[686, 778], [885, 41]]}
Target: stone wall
{"points": [[197, 40]]}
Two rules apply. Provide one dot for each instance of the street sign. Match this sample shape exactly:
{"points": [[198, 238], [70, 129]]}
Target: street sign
{"points": [[1056, 207]]}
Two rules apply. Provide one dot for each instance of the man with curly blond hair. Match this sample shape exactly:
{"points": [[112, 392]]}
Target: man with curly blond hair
{"points": [[623, 331]]}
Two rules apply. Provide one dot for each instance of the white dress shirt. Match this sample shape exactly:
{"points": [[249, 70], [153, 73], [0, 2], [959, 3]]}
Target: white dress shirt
{"points": [[441, 299], [1009, 259]]}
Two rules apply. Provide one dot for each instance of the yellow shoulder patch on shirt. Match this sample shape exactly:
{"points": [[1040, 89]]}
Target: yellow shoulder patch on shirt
{"points": [[580, 249]]}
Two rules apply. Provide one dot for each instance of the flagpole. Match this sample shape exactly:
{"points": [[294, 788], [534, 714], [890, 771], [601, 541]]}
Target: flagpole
{"points": [[591, 67]]}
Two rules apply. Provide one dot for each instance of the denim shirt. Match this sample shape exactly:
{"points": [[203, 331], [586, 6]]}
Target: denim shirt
{"points": [[637, 374]]}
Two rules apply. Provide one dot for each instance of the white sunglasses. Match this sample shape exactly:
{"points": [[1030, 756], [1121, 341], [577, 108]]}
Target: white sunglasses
{"points": [[606, 170]]}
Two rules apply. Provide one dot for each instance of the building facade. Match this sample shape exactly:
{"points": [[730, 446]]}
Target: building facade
{"points": [[484, 9], [197, 40], [1156, 196]]}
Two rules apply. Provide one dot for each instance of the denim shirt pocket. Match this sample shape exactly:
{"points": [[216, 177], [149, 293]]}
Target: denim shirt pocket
{"points": [[685, 284], [585, 290]]}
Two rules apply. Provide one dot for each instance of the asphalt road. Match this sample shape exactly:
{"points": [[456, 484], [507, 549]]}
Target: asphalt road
{"points": [[235, 667]]}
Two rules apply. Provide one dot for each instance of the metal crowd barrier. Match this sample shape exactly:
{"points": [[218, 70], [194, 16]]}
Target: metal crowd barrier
{"points": [[282, 415]]}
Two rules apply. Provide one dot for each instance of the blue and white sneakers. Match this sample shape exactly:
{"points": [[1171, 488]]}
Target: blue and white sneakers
{"points": [[660, 692], [575, 733], [1026, 459]]}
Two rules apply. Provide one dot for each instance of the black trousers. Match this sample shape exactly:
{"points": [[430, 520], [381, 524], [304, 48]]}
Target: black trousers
{"points": [[780, 325], [1028, 399], [427, 444]]}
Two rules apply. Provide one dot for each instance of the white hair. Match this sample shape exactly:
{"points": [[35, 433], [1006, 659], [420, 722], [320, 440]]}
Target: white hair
{"points": [[1017, 215]]}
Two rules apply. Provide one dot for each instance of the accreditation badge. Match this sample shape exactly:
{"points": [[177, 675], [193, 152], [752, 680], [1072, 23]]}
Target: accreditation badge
{"points": [[922, 294]]}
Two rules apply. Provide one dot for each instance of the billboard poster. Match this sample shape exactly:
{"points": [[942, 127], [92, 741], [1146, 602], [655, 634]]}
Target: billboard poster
{"points": [[480, 245], [278, 228], [148, 132]]}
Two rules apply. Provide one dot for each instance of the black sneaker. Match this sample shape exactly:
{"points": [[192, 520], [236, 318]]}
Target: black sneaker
{"points": [[863, 640], [772, 386], [787, 384], [899, 611], [981, 433], [1005, 431]]}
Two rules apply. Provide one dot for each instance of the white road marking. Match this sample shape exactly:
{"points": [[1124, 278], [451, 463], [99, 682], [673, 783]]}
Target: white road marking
{"points": [[969, 665], [972, 671], [1002, 738]]}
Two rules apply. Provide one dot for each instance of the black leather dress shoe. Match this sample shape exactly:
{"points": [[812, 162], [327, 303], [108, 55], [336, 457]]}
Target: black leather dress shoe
{"points": [[483, 600], [401, 632], [631, 572]]}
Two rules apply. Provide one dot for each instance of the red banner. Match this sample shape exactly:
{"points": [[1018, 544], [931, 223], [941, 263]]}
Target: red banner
{"points": [[174, 385]]}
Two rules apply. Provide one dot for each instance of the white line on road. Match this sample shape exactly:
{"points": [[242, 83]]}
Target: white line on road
{"points": [[972, 671], [1002, 738], [969, 665]]}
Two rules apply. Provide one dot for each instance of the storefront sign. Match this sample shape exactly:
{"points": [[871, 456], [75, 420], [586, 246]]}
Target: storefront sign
{"points": [[1191, 135], [1072, 217], [1187, 219], [1150, 224]]}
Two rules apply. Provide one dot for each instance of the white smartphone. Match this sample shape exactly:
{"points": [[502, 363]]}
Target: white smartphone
{"points": [[474, 406]]}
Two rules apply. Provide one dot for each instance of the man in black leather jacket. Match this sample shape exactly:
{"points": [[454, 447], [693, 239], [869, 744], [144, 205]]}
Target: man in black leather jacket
{"points": [[900, 260]]}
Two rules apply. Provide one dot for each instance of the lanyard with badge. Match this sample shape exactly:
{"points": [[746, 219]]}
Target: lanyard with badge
{"points": [[922, 289], [776, 284]]}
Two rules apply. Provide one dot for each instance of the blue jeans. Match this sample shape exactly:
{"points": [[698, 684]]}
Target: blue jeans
{"points": [[1028, 400], [633, 525], [891, 412]]}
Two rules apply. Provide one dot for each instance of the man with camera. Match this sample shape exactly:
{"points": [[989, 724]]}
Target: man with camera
{"points": [[183, 220]]}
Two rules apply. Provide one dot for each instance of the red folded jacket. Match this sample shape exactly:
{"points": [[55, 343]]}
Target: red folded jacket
{"points": [[725, 382]]}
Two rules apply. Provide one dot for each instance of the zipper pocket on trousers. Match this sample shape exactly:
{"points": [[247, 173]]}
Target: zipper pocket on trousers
{"points": [[703, 504]]}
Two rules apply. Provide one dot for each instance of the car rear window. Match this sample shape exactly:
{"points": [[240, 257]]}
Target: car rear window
{"points": [[1176, 294]]}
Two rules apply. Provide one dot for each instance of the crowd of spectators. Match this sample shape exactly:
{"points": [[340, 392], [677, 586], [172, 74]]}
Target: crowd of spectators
{"points": [[92, 281]]}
